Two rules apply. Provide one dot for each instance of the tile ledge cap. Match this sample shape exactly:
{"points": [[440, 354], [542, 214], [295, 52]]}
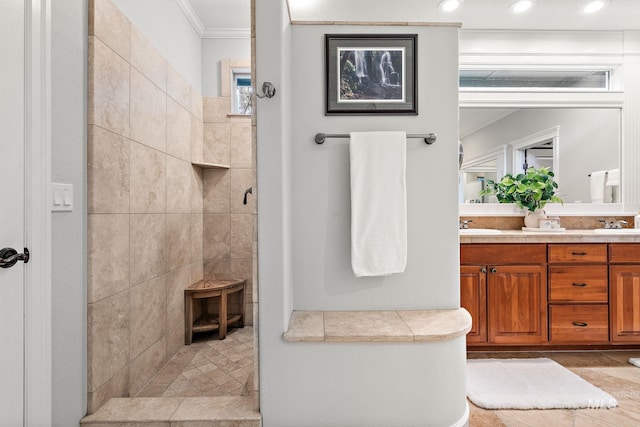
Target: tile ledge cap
{"points": [[447, 323]]}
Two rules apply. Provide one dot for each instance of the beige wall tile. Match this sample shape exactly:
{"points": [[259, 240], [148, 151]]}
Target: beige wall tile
{"points": [[241, 180], [108, 23], [108, 88], [243, 269], [197, 108], [215, 109], [148, 179], [197, 190], [216, 143], [217, 187], [241, 236], [225, 78], [147, 365], [197, 237], [108, 339], [116, 386], [148, 246], [215, 268], [175, 339], [197, 271], [107, 172], [217, 235], [197, 140], [178, 131], [179, 176], [178, 88], [177, 281], [148, 314], [107, 255], [178, 240], [148, 112], [146, 59], [240, 145]]}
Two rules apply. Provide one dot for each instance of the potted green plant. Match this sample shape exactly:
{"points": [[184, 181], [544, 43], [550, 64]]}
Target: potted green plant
{"points": [[530, 191]]}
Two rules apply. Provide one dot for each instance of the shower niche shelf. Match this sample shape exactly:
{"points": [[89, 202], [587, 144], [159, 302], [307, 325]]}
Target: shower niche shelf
{"points": [[205, 165]]}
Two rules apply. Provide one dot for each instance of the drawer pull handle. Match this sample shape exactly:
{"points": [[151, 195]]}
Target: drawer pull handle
{"points": [[578, 253], [581, 324], [580, 285]]}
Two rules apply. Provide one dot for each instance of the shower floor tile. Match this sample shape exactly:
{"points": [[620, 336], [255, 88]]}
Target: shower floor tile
{"points": [[209, 367]]}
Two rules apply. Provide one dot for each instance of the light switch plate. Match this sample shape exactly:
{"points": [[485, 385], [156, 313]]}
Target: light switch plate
{"points": [[61, 197]]}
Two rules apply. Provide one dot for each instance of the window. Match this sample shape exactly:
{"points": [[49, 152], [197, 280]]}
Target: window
{"points": [[590, 80], [241, 92]]}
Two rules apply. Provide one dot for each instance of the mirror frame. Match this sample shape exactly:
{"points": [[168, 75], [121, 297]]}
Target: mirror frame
{"points": [[503, 99]]}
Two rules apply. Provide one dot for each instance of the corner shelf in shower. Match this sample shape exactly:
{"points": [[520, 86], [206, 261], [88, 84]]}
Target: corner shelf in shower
{"points": [[204, 165]]}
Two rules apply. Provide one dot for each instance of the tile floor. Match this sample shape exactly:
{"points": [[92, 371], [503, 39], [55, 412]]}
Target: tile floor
{"points": [[207, 368], [608, 370]]}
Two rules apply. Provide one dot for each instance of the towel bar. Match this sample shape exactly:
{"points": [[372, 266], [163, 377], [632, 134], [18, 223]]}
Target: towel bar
{"points": [[429, 138]]}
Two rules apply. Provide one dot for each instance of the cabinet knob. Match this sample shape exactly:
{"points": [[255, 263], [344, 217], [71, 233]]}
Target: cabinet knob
{"points": [[493, 270], [581, 324], [483, 270]]}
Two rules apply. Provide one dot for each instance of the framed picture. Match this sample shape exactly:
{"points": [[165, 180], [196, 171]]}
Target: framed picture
{"points": [[371, 74]]}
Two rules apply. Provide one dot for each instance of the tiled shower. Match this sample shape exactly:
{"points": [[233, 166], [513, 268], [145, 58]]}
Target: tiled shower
{"points": [[156, 222]]}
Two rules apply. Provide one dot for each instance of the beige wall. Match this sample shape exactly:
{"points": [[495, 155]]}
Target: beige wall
{"points": [[145, 206], [228, 223]]}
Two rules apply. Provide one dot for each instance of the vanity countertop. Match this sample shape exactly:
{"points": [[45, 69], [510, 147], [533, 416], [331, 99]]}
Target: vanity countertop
{"points": [[568, 236]]}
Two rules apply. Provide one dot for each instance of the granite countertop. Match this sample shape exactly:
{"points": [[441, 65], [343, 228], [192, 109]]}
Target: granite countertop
{"points": [[568, 236]]}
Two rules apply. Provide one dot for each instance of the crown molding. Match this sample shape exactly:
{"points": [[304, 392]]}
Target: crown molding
{"points": [[226, 33], [191, 16]]}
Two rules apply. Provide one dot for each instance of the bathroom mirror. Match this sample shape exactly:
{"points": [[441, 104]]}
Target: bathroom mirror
{"points": [[573, 142]]}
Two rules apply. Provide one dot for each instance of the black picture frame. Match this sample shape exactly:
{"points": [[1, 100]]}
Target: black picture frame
{"points": [[371, 74]]}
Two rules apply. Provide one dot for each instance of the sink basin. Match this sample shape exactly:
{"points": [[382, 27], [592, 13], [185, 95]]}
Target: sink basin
{"points": [[479, 231], [617, 230]]}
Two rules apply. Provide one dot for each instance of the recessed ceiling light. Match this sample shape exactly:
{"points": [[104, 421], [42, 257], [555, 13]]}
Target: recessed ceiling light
{"points": [[521, 6], [593, 6], [450, 5]]}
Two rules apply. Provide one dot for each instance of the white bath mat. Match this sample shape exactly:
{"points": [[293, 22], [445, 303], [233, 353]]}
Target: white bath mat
{"points": [[530, 384], [635, 361]]}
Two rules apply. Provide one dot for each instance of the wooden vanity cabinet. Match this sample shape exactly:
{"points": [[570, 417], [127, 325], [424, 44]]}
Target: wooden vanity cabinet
{"points": [[578, 294], [624, 292], [512, 278]]}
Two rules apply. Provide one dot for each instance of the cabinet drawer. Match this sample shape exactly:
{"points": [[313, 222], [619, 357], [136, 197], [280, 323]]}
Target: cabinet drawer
{"points": [[578, 283], [503, 254], [624, 252], [579, 323], [577, 253]]}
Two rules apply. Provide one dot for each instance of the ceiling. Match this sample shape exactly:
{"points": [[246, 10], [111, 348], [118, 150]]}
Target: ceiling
{"points": [[474, 14]]}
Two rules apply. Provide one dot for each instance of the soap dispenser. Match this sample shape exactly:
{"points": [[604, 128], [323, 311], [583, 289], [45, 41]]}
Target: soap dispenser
{"points": [[636, 221]]}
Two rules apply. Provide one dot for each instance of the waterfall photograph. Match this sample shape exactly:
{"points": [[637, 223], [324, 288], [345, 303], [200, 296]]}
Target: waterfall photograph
{"points": [[371, 74]]}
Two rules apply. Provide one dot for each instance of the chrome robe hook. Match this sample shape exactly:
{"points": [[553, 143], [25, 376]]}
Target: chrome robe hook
{"points": [[268, 90]]}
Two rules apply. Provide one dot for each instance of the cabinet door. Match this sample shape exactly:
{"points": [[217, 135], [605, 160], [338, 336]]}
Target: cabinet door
{"points": [[624, 303], [473, 297], [517, 304]]}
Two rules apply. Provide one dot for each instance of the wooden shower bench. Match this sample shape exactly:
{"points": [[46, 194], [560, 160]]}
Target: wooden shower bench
{"points": [[203, 290]]}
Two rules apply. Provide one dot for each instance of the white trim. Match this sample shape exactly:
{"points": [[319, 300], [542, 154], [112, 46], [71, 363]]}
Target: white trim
{"points": [[543, 135], [38, 370], [191, 16], [506, 99], [464, 420], [226, 33], [490, 155]]}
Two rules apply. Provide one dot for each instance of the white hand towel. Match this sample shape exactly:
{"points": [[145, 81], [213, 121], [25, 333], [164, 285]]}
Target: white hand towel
{"points": [[612, 191], [613, 177], [378, 203], [598, 179]]}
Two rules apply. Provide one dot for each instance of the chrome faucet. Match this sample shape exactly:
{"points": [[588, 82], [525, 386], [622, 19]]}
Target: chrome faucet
{"points": [[464, 225], [613, 224]]}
